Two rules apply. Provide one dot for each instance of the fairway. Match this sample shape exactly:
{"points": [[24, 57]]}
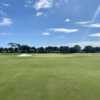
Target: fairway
{"points": [[50, 77]]}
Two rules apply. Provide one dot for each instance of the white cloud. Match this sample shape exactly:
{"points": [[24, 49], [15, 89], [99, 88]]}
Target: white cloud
{"points": [[96, 25], [95, 35], [92, 23], [83, 22], [64, 30], [43, 4], [46, 33], [39, 13], [6, 22], [89, 24], [97, 12], [28, 3], [67, 20]]}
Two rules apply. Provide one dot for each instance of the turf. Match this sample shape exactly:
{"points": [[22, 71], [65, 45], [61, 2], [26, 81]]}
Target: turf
{"points": [[50, 77]]}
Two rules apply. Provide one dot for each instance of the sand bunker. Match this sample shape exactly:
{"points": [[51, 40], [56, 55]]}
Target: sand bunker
{"points": [[25, 55]]}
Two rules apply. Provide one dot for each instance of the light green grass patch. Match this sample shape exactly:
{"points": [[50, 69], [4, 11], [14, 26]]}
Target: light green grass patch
{"points": [[50, 77]]}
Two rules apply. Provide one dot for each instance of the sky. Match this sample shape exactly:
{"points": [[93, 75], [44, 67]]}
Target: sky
{"points": [[50, 22]]}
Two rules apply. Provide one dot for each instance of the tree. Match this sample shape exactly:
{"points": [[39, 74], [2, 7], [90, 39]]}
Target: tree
{"points": [[18, 48], [97, 49], [40, 50], [75, 49], [89, 49], [33, 50], [14, 47], [51, 49], [1, 50], [64, 49], [25, 49]]}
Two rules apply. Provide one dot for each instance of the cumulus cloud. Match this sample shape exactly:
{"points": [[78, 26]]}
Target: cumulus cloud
{"points": [[39, 14], [64, 30], [43, 4], [6, 22], [39, 5], [46, 33], [67, 20]]}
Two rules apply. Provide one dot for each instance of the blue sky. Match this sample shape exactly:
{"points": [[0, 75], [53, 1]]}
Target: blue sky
{"points": [[50, 22]]}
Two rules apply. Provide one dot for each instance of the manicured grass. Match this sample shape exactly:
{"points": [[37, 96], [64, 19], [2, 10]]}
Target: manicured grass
{"points": [[50, 77]]}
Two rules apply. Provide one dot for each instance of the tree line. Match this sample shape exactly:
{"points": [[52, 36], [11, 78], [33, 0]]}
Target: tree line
{"points": [[18, 48]]}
